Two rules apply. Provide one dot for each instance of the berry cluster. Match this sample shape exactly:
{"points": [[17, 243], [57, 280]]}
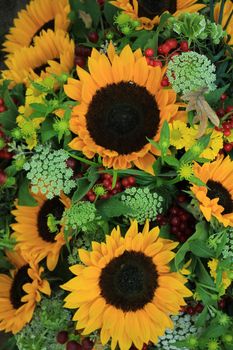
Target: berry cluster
{"points": [[2, 105], [226, 116], [4, 153], [106, 182], [81, 55], [181, 222], [193, 309], [63, 338], [170, 45]]}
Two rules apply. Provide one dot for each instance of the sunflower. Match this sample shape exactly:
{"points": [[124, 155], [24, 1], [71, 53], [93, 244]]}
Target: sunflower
{"points": [[120, 109], [20, 292], [148, 12], [38, 15], [216, 199], [33, 232], [125, 288], [228, 8], [53, 53]]}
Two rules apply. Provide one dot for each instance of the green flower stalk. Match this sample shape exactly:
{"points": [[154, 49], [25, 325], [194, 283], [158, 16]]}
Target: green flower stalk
{"points": [[48, 172], [49, 318], [191, 72], [144, 204]]}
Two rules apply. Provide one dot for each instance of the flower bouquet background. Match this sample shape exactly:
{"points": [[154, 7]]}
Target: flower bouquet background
{"points": [[116, 176]]}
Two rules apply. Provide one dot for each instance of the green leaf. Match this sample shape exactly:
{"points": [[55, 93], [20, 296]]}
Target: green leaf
{"points": [[47, 131], [171, 161], [164, 141], [201, 250], [93, 8], [39, 107], [24, 196], [109, 12], [203, 276], [214, 96], [83, 186], [112, 207], [196, 181], [202, 317]]}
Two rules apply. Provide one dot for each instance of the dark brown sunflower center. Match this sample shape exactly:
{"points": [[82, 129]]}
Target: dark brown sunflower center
{"points": [[122, 116], [51, 206], [46, 26], [217, 190], [43, 67], [129, 281], [152, 8], [16, 291]]}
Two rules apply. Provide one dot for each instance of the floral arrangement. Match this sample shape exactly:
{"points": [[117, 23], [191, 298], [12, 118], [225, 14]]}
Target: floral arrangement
{"points": [[116, 176]]}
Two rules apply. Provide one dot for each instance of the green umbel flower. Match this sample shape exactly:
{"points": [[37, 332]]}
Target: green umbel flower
{"points": [[48, 172], [49, 318], [195, 27], [184, 328], [227, 251], [191, 72], [81, 216], [144, 203]]}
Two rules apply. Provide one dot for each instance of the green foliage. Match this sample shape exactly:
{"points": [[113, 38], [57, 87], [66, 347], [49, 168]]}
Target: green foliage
{"points": [[48, 319]]}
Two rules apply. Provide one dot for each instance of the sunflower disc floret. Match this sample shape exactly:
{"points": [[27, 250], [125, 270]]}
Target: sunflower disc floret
{"points": [[48, 172], [144, 203], [125, 288], [191, 71]]}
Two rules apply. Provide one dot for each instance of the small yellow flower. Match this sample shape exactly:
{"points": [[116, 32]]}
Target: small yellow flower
{"points": [[226, 280], [180, 135], [29, 129], [214, 146], [185, 270]]}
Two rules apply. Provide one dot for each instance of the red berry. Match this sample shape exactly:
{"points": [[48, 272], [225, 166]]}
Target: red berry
{"points": [[160, 49], [184, 46], [92, 197], [174, 210], [71, 163], [199, 308], [79, 61], [223, 97], [166, 49], [62, 337], [182, 238], [172, 43], [190, 310], [144, 346], [227, 132], [3, 177], [159, 218], [1, 101], [228, 147], [175, 221], [221, 303], [118, 186], [93, 37], [149, 61], [2, 108], [157, 63], [131, 180], [184, 216], [174, 229], [107, 176], [149, 52], [220, 112], [125, 182], [4, 154], [226, 125], [87, 344], [101, 2], [181, 198], [73, 345], [229, 109], [107, 183], [165, 81]]}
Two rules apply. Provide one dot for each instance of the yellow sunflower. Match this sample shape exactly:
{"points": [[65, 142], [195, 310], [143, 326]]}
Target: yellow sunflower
{"points": [[53, 53], [217, 198], [120, 109], [38, 15], [126, 289], [228, 8], [148, 12], [33, 232], [20, 292]]}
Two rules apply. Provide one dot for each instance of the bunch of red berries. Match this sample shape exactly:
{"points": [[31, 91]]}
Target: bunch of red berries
{"points": [[226, 114], [63, 338], [81, 55], [106, 181], [182, 223], [193, 309], [2, 105], [4, 152]]}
